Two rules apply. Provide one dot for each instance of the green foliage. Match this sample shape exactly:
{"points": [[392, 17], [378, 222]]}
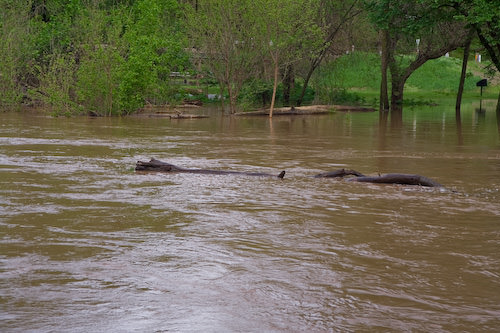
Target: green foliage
{"points": [[105, 57], [155, 47], [222, 33], [256, 93], [56, 33], [15, 51], [56, 87], [98, 81], [484, 17]]}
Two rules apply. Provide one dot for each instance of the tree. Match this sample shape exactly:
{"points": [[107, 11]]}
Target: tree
{"points": [[286, 30], [334, 15], [463, 73], [222, 37], [484, 17], [15, 51], [105, 57], [413, 33], [154, 47], [100, 58]]}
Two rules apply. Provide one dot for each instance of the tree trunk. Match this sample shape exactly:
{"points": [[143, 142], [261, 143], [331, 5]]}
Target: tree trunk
{"points": [[304, 87], [384, 98], [288, 84], [275, 86], [458, 120], [498, 104], [232, 99], [398, 85], [402, 179], [462, 75], [397, 77]]}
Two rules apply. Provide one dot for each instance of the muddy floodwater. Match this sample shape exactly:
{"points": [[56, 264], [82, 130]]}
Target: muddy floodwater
{"points": [[89, 245]]}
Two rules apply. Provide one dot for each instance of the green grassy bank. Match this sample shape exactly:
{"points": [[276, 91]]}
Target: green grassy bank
{"points": [[355, 78]]}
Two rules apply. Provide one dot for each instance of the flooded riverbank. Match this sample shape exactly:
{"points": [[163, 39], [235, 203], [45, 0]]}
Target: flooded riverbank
{"points": [[89, 245]]}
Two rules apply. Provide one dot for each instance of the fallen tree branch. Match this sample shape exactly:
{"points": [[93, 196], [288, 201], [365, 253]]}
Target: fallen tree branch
{"points": [[392, 178], [160, 166], [399, 178]]}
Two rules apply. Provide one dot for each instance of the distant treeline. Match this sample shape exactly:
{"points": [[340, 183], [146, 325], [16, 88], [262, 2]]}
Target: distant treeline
{"points": [[112, 57]]}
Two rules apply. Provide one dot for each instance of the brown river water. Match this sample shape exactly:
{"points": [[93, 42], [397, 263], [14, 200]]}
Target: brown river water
{"points": [[88, 245]]}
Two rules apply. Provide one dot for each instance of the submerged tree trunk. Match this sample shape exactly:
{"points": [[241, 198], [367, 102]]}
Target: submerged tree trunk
{"points": [[159, 166], [221, 92], [288, 84], [498, 104], [397, 90], [398, 76], [384, 98], [275, 86], [232, 99], [463, 74]]}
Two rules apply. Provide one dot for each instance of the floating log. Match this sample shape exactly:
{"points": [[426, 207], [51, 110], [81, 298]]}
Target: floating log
{"points": [[391, 178], [160, 166], [339, 173], [399, 178]]}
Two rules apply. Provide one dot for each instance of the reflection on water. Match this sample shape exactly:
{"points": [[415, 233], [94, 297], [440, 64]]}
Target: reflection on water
{"points": [[88, 245]]}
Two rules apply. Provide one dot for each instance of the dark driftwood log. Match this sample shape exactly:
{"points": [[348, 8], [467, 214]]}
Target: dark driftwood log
{"points": [[399, 178], [339, 173], [159, 166], [392, 178]]}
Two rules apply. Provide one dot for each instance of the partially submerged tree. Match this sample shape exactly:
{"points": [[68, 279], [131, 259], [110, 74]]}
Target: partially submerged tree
{"points": [[484, 17], [413, 33]]}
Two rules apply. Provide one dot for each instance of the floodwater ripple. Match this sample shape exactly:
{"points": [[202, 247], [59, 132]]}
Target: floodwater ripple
{"points": [[87, 244]]}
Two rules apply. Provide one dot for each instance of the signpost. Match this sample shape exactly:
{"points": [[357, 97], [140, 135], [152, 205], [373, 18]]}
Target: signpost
{"points": [[482, 83]]}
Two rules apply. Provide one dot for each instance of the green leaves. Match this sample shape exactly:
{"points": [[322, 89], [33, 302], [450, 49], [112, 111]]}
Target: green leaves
{"points": [[98, 79], [154, 48], [103, 57]]}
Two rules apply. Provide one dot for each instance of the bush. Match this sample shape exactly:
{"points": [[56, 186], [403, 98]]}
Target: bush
{"points": [[98, 80], [56, 85]]}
